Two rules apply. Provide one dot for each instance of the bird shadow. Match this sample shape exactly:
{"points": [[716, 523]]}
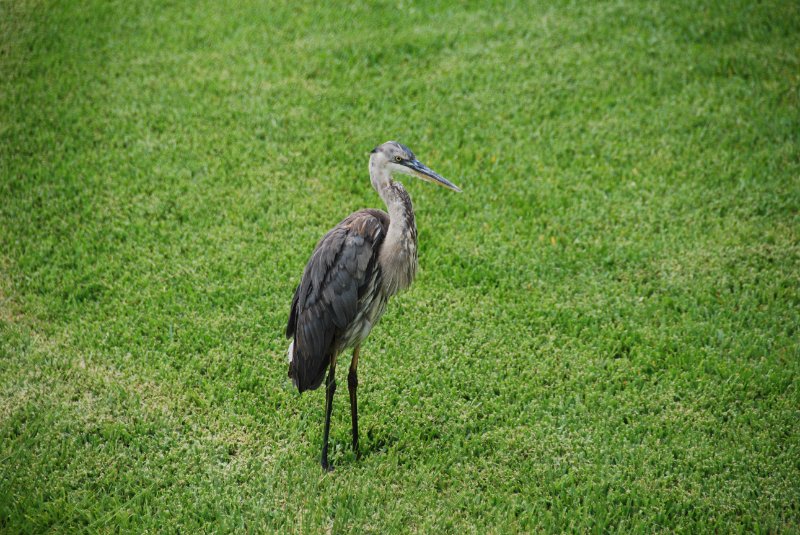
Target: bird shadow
{"points": [[377, 444], [374, 443]]}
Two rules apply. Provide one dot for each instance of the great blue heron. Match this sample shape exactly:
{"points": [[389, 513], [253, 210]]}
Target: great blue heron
{"points": [[352, 273]]}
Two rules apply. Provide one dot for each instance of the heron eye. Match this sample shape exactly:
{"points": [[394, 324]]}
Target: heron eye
{"points": [[397, 158]]}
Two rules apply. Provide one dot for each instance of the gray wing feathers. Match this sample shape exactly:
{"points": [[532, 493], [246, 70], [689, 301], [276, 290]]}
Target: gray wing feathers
{"points": [[326, 301]]}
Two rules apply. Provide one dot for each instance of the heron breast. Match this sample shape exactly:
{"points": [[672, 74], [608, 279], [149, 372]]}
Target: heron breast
{"points": [[399, 262], [370, 311]]}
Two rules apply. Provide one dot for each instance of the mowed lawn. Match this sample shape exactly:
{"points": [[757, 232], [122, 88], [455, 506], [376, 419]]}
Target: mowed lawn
{"points": [[603, 334]]}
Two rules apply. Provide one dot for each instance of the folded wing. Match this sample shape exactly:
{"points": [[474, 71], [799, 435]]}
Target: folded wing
{"points": [[341, 269]]}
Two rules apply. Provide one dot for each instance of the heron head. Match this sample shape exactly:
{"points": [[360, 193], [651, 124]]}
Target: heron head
{"points": [[395, 157]]}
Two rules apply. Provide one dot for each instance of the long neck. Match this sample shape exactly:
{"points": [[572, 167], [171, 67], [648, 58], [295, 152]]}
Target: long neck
{"points": [[399, 250], [398, 202], [401, 212]]}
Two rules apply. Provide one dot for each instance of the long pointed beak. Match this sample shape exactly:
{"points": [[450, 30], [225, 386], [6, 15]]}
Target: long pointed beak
{"points": [[421, 171]]}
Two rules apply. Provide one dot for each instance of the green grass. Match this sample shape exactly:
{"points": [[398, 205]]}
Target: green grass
{"points": [[604, 332]]}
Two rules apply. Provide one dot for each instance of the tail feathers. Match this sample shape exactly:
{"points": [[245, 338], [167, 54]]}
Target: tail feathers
{"points": [[290, 358], [302, 377]]}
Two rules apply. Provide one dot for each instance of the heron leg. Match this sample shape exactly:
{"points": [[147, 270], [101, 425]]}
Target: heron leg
{"points": [[330, 388], [352, 386]]}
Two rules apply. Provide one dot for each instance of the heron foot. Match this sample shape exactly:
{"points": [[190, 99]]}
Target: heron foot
{"points": [[327, 466]]}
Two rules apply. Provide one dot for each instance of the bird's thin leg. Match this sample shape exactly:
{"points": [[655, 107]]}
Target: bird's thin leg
{"points": [[330, 388], [352, 385]]}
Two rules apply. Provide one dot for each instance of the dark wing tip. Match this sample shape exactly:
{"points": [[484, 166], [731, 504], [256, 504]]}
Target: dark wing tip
{"points": [[292, 323]]}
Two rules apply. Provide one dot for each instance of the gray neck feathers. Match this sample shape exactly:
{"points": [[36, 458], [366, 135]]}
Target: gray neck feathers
{"points": [[398, 257]]}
